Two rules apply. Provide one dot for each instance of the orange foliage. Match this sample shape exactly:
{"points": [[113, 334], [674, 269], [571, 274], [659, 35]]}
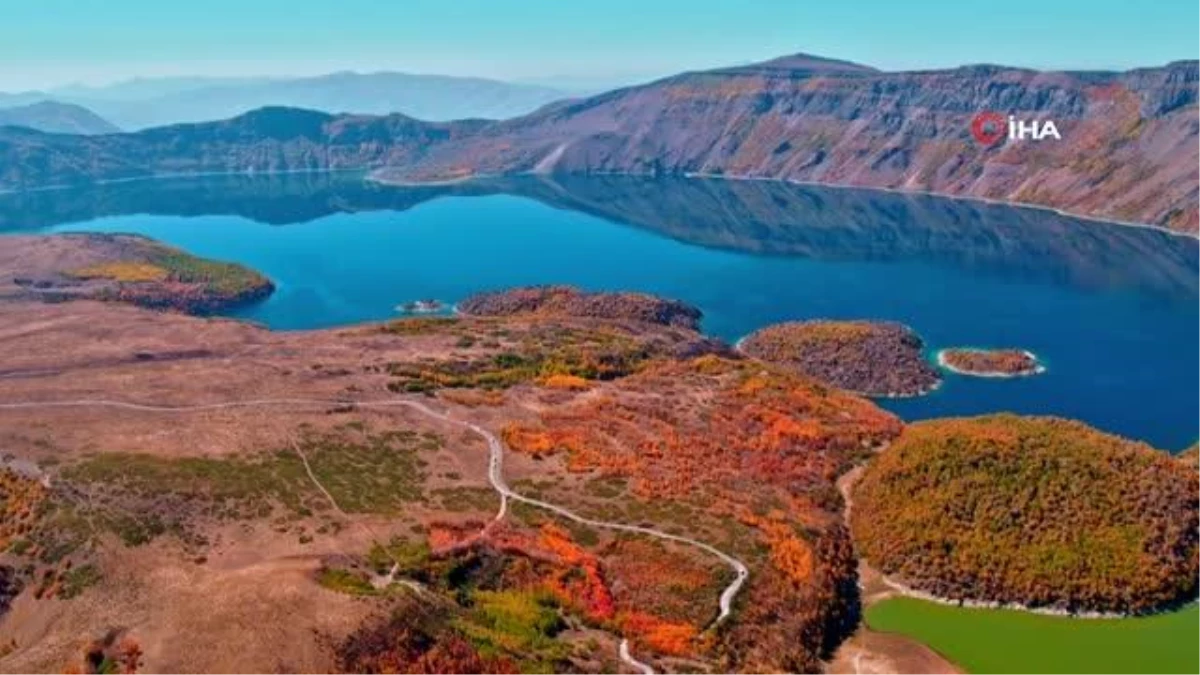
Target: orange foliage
{"points": [[565, 382], [473, 398], [746, 435], [19, 501], [749, 422], [678, 586], [789, 554], [577, 580], [674, 639], [588, 592], [538, 442], [446, 537]]}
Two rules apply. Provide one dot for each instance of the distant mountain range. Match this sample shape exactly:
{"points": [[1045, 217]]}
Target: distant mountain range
{"points": [[263, 141], [1128, 152], [56, 118], [144, 103]]}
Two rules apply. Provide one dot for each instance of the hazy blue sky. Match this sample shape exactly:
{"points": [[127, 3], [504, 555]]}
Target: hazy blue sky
{"points": [[52, 42]]}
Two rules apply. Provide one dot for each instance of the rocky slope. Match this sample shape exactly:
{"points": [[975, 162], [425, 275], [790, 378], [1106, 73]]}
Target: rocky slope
{"points": [[1128, 148]]}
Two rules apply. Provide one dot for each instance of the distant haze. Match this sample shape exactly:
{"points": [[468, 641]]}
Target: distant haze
{"points": [[56, 118], [59, 42], [149, 102]]}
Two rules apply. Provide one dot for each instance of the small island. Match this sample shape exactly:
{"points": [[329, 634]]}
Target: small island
{"points": [[874, 358], [979, 362]]}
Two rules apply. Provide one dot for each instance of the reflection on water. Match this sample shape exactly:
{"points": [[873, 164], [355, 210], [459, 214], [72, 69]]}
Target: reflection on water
{"points": [[1113, 310], [762, 217]]}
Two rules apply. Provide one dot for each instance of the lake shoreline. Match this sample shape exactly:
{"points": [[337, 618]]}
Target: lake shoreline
{"points": [[791, 181], [369, 175]]}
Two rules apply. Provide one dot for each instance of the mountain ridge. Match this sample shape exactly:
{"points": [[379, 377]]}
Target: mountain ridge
{"points": [[56, 118], [151, 102], [1128, 154], [1129, 151]]}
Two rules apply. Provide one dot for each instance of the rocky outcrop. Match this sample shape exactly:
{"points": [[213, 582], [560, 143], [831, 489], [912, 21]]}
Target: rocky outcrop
{"points": [[872, 358], [565, 301]]}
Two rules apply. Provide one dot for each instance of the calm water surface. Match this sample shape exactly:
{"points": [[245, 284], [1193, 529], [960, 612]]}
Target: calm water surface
{"points": [[1113, 310]]}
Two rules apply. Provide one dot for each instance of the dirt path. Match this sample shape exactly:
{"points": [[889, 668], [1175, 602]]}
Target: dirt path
{"points": [[869, 651], [379, 581], [495, 477]]}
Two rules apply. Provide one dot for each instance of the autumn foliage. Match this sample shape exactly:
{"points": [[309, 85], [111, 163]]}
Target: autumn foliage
{"points": [[566, 301], [991, 361], [418, 639], [876, 357], [565, 382], [789, 554], [20, 498], [746, 422], [743, 434], [656, 596], [666, 637], [576, 578], [1033, 510]]}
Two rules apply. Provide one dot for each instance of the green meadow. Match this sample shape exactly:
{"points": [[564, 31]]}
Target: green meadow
{"points": [[1008, 641]]}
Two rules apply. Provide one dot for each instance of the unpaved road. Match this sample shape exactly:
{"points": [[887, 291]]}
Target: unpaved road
{"points": [[495, 476], [868, 652]]}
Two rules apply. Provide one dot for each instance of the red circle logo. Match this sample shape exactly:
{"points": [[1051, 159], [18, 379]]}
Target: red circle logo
{"points": [[989, 127]]}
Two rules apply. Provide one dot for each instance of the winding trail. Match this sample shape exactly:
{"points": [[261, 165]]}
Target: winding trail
{"points": [[628, 658], [495, 477]]}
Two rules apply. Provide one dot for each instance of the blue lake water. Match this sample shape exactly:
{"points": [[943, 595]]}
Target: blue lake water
{"points": [[1113, 310]]}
